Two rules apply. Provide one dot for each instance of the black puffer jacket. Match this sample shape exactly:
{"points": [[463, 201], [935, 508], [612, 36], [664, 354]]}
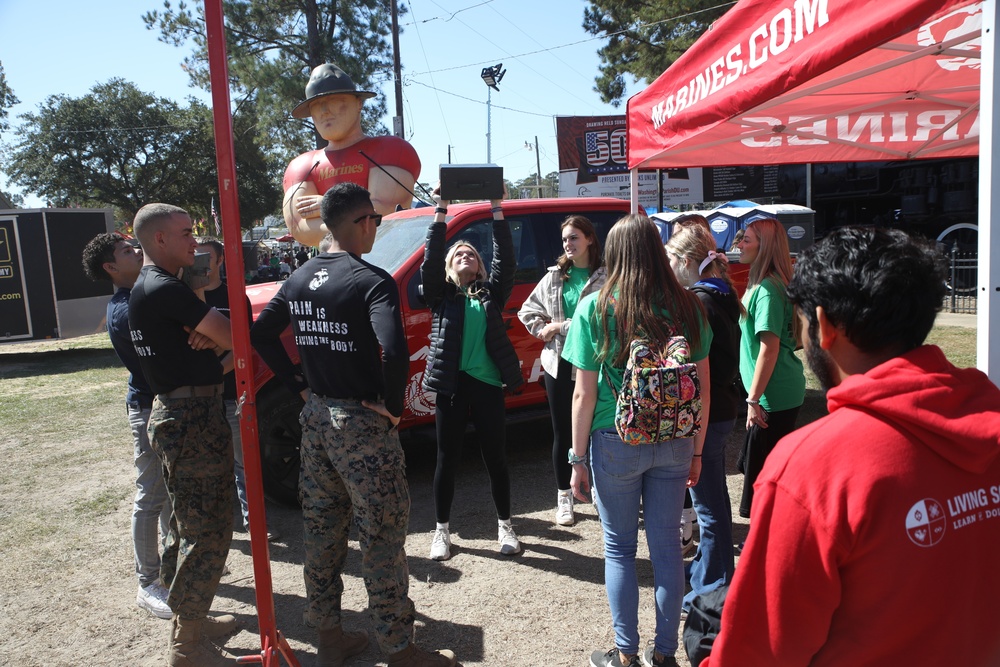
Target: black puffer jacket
{"points": [[445, 299]]}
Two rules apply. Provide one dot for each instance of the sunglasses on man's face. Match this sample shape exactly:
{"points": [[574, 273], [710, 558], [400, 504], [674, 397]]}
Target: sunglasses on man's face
{"points": [[375, 216]]}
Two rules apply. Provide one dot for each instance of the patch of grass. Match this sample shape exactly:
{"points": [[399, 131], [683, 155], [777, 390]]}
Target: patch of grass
{"points": [[105, 502], [28, 530], [958, 344]]}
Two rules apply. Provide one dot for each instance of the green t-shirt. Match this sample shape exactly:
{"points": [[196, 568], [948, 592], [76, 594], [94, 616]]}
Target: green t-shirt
{"points": [[573, 285], [768, 309], [583, 344], [476, 361]]}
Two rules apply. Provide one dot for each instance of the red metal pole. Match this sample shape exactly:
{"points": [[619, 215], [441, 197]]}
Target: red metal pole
{"points": [[272, 642]]}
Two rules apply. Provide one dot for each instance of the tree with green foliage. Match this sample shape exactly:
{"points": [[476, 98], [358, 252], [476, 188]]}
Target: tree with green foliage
{"points": [[118, 146], [644, 38], [273, 45], [527, 188], [7, 100]]}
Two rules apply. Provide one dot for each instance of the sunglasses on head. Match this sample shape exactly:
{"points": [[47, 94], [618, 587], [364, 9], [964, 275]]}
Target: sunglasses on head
{"points": [[377, 217]]}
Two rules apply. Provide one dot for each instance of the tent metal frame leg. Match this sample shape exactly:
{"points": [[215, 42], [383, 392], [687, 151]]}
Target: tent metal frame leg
{"points": [[273, 643]]}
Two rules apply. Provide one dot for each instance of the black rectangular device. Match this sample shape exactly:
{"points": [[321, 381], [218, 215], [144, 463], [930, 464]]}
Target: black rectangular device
{"points": [[471, 182]]}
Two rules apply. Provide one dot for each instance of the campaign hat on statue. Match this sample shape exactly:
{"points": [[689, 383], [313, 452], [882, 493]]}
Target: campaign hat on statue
{"points": [[328, 80]]}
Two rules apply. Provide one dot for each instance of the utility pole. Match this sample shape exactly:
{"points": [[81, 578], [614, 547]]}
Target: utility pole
{"points": [[397, 121], [491, 77], [489, 146], [538, 169]]}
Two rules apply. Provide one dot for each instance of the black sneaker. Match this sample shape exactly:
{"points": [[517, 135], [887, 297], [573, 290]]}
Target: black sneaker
{"points": [[612, 658], [649, 659]]}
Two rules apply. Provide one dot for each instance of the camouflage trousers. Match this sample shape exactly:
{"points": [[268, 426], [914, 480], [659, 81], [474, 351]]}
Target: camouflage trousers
{"points": [[192, 438], [352, 464]]}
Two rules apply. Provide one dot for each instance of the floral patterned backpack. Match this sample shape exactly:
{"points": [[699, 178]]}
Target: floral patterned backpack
{"points": [[661, 396]]}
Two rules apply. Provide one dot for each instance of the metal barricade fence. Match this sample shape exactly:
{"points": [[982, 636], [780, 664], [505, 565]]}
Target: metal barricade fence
{"points": [[963, 272]]}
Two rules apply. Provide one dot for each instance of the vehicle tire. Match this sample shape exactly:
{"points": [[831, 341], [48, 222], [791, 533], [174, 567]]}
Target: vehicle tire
{"points": [[280, 435]]}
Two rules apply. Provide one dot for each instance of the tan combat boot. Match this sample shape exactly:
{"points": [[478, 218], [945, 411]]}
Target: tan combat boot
{"points": [[414, 656], [334, 646], [188, 648], [214, 627]]}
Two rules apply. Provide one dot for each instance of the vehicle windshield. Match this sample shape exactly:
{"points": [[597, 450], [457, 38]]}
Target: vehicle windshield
{"points": [[397, 239]]}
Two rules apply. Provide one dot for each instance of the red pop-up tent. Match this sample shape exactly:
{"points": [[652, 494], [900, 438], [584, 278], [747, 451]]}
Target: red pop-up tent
{"points": [[798, 81]]}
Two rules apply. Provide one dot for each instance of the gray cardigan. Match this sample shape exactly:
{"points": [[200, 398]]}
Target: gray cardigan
{"points": [[545, 304]]}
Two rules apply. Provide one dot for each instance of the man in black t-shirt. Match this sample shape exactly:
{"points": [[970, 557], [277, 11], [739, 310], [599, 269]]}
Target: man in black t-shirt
{"points": [[349, 332], [178, 338]]}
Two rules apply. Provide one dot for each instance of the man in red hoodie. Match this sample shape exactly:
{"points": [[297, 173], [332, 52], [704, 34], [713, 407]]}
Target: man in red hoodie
{"points": [[875, 531]]}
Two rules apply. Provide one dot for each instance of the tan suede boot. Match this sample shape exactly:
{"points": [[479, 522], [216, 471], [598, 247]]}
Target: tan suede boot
{"points": [[214, 627], [188, 648], [414, 656], [334, 646]]}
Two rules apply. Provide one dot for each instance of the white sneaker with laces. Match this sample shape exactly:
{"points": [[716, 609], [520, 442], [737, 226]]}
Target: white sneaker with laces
{"points": [[441, 545], [688, 519], [153, 598], [564, 508], [509, 544]]}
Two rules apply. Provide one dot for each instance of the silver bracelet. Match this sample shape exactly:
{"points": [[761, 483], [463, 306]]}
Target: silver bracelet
{"points": [[576, 460]]}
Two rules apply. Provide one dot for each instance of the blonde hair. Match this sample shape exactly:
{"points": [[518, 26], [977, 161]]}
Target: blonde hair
{"points": [[450, 273], [694, 242], [773, 257]]}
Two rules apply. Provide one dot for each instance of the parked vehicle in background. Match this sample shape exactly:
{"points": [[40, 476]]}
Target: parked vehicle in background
{"points": [[399, 249]]}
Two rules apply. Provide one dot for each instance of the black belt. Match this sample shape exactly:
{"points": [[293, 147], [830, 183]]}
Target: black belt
{"points": [[194, 391]]}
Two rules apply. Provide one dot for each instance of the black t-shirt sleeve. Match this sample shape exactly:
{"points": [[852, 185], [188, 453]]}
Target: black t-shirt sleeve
{"points": [[265, 335], [387, 323]]}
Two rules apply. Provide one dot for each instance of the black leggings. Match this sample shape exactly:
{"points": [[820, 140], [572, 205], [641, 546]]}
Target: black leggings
{"points": [[559, 389], [486, 405], [758, 444]]}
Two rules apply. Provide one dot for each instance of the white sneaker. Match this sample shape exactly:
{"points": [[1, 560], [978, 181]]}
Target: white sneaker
{"points": [[688, 519], [441, 545], [509, 544], [564, 509], [153, 598]]}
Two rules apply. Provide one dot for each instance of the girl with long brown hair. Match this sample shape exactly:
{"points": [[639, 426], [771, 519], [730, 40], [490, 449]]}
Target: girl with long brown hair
{"points": [[641, 299]]}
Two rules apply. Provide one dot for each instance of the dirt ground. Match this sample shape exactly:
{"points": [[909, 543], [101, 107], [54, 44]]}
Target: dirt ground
{"points": [[67, 586]]}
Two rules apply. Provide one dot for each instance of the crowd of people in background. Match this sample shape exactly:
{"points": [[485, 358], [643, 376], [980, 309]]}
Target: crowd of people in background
{"points": [[817, 559], [276, 265]]}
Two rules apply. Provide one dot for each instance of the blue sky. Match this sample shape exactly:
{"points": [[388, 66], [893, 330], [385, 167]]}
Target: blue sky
{"points": [[551, 62]]}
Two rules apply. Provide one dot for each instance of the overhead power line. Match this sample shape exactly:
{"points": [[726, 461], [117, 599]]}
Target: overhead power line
{"points": [[582, 41], [469, 99], [450, 16]]}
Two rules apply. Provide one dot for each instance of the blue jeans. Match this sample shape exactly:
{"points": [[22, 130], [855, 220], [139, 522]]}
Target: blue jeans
{"points": [[653, 476], [713, 565], [151, 507], [241, 479]]}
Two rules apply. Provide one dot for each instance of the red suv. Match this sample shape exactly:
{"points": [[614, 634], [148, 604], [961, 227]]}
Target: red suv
{"points": [[399, 249]]}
